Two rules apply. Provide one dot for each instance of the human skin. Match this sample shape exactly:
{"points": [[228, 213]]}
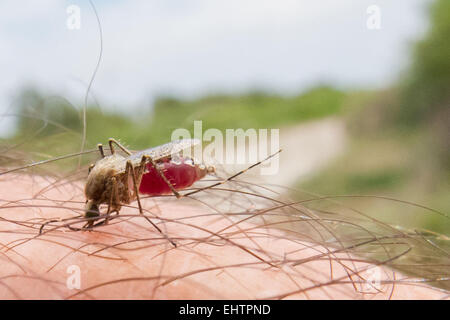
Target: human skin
{"points": [[215, 257]]}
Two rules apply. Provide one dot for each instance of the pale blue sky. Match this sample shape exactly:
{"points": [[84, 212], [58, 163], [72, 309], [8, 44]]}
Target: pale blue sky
{"points": [[194, 47]]}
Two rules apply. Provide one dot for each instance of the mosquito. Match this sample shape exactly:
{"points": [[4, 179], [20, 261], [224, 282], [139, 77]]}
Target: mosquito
{"points": [[116, 180]]}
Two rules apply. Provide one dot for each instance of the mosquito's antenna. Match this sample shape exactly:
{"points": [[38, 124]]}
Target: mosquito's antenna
{"points": [[233, 176]]}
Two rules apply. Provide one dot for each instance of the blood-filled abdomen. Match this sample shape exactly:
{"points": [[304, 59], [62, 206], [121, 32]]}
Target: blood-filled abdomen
{"points": [[181, 174]]}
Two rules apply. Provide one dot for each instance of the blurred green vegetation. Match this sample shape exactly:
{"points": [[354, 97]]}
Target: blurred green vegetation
{"points": [[400, 144], [52, 121], [426, 92]]}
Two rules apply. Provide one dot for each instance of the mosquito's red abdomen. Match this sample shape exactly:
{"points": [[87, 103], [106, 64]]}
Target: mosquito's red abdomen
{"points": [[181, 174]]}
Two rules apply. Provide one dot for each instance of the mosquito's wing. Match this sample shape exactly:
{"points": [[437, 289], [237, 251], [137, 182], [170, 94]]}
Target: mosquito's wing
{"points": [[163, 151]]}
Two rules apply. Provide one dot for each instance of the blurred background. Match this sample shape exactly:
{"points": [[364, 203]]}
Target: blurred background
{"points": [[359, 87]]}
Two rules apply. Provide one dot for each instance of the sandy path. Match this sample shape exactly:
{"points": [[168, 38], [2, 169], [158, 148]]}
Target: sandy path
{"points": [[307, 148]]}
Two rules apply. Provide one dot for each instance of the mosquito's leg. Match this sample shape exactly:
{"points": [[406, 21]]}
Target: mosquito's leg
{"points": [[100, 149], [102, 153], [130, 170], [114, 195], [112, 141], [233, 176], [146, 158]]}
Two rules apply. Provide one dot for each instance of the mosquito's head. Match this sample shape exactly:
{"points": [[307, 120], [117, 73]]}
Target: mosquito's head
{"points": [[91, 209]]}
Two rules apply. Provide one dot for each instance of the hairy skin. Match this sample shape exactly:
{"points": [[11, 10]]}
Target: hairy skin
{"points": [[214, 258]]}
